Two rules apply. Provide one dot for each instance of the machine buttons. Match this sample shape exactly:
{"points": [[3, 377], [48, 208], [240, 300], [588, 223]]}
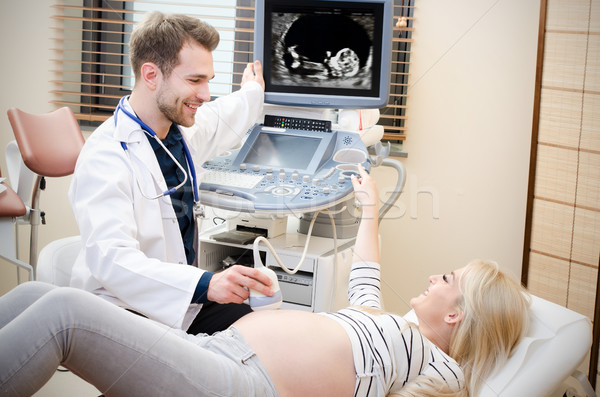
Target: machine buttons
{"points": [[297, 123], [243, 166], [295, 279], [295, 176], [329, 173], [224, 178], [281, 191], [306, 178], [256, 168]]}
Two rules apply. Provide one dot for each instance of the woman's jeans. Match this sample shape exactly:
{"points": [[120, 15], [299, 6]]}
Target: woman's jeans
{"points": [[42, 327]]}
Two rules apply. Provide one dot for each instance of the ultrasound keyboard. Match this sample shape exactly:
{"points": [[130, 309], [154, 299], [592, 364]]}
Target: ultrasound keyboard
{"points": [[231, 179]]}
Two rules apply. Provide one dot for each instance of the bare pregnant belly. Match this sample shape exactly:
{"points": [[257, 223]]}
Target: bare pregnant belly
{"points": [[306, 354]]}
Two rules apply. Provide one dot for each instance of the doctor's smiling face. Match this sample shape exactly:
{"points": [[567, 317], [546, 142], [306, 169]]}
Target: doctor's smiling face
{"points": [[182, 92]]}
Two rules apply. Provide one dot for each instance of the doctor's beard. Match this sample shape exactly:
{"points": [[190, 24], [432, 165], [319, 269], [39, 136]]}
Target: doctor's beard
{"points": [[174, 109]]}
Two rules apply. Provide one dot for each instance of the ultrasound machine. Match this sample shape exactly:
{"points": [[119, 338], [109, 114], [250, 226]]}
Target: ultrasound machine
{"points": [[282, 170], [289, 183]]}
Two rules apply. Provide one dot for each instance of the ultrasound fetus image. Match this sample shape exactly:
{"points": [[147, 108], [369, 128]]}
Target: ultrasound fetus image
{"points": [[312, 50]]}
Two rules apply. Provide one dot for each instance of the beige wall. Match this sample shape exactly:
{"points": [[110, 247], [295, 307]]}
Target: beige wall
{"points": [[25, 74], [469, 123], [470, 99]]}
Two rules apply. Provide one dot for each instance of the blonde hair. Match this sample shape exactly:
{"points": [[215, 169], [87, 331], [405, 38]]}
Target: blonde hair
{"points": [[495, 310], [495, 317], [159, 37]]}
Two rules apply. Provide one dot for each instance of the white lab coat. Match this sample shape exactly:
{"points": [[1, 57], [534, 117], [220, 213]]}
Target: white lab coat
{"points": [[132, 252]]}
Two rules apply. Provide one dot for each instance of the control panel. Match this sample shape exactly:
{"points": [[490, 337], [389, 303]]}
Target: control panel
{"points": [[284, 170], [297, 123]]}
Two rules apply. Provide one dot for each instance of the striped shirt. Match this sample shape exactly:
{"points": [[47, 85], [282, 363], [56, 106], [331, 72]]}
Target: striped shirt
{"points": [[387, 352]]}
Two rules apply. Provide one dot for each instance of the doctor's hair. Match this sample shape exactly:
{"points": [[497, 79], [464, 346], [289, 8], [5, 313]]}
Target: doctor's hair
{"points": [[159, 37]]}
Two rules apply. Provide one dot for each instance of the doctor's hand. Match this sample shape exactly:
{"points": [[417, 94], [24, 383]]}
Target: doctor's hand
{"points": [[253, 72], [233, 284]]}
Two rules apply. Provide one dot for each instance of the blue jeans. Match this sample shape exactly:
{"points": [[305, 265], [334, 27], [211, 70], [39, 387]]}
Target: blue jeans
{"points": [[42, 327]]}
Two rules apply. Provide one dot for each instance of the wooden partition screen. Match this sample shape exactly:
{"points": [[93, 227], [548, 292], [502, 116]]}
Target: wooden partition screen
{"points": [[562, 243]]}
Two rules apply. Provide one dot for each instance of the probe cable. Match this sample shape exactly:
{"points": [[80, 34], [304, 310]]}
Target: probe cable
{"points": [[308, 235]]}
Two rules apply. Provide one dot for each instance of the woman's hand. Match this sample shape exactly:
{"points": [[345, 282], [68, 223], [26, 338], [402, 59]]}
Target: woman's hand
{"points": [[365, 189], [366, 247]]}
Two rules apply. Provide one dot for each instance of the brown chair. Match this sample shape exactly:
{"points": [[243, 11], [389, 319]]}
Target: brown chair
{"points": [[49, 144], [11, 205], [11, 208]]}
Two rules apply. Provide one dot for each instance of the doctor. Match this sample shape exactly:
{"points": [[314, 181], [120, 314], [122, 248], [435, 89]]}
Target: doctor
{"points": [[134, 188]]}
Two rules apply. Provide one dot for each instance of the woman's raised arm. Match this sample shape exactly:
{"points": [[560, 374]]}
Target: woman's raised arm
{"points": [[366, 248]]}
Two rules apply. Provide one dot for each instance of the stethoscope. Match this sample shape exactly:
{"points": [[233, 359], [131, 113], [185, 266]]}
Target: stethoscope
{"points": [[151, 133]]}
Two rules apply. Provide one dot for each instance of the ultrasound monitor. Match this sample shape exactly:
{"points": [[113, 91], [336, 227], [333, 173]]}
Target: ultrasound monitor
{"points": [[325, 53]]}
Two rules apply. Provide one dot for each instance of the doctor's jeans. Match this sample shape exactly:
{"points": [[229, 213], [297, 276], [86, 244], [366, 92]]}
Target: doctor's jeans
{"points": [[43, 326]]}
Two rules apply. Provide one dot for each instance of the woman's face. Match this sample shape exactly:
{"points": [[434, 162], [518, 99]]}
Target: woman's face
{"points": [[438, 301]]}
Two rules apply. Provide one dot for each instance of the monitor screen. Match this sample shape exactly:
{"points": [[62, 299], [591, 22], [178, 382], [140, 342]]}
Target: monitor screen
{"points": [[282, 151], [330, 53]]}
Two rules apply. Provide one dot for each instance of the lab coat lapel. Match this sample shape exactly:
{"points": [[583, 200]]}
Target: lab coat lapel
{"points": [[140, 150], [145, 158]]}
